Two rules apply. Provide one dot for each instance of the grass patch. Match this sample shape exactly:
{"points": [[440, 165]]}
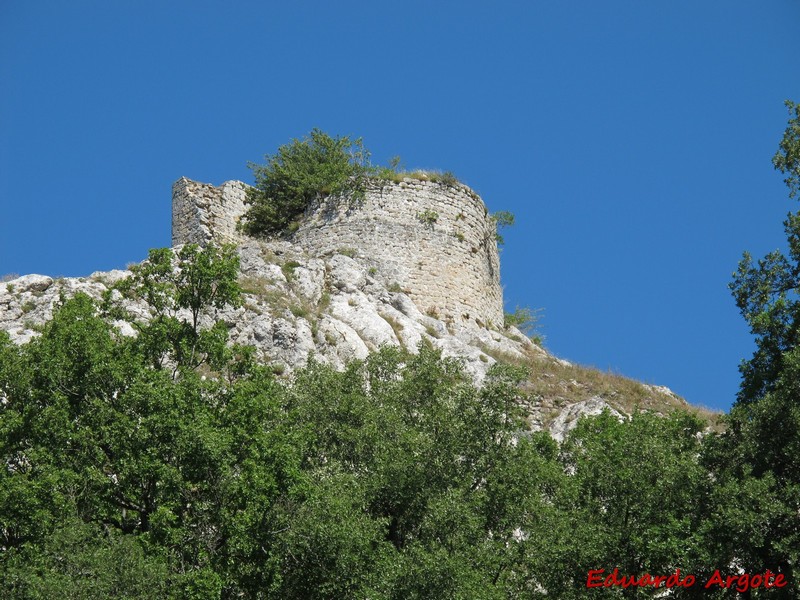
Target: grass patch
{"points": [[527, 321], [256, 286], [396, 326], [573, 383], [288, 268], [278, 368], [324, 301], [431, 331], [428, 217], [264, 290], [553, 385], [398, 176], [301, 312], [269, 256]]}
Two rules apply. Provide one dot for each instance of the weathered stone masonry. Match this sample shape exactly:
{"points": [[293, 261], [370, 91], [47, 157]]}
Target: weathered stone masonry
{"points": [[449, 266], [202, 212]]}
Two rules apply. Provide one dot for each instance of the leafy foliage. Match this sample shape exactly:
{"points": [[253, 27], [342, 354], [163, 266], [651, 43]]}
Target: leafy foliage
{"points": [[638, 518], [787, 158], [129, 473], [524, 319], [428, 217], [339, 485], [766, 292], [502, 218], [195, 280], [757, 456], [315, 167], [301, 172]]}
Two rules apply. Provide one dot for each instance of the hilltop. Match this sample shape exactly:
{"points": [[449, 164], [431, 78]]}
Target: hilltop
{"points": [[415, 261]]}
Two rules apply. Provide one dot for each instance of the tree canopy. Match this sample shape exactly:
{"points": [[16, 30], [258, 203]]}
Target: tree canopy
{"points": [[759, 451], [766, 291]]}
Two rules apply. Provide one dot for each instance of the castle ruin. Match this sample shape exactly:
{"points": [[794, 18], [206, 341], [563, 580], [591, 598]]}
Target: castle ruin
{"points": [[434, 241]]}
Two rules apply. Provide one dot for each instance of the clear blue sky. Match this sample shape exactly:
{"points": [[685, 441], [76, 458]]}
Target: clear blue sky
{"points": [[632, 139]]}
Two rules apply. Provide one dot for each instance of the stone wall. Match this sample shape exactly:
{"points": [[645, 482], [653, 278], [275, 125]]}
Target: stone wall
{"points": [[202, 212], [436, 242], [449, 267]]}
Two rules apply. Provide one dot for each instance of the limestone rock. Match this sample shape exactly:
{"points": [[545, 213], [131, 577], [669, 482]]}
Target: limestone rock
{"points": [[31, 283], [568, 418]]}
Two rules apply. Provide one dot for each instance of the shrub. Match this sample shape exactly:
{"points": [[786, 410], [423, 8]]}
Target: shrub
{"points": [[315, 167], [502, 218], [526, 320], [446, 178], [288, 269], [428, 217], [301, 172], [301, 312]]}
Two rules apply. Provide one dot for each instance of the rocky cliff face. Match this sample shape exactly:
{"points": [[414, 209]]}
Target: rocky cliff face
{"points": [[331, 307]]}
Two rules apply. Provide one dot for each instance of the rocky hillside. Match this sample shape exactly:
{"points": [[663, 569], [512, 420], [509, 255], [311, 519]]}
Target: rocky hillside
{"points": [[336, 309]]}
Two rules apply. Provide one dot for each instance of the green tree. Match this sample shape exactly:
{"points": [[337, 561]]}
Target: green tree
{"points": [[757, 455], [189, 467], [637, 500], [197, 280], [787, 158], [301, 172], [766, 291], [84, 561], [419, 485], [166, 470], [396, 478]]}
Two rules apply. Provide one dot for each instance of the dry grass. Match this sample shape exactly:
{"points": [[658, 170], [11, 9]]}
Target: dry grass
{"points": [[396, 326], [552, 384]]}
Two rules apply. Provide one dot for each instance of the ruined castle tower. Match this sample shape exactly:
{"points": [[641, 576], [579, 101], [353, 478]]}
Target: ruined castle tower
{"points": [[434, 241]]}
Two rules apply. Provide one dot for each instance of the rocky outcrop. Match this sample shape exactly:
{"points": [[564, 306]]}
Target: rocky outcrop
{"points": [[333, 307], [568, 418]]}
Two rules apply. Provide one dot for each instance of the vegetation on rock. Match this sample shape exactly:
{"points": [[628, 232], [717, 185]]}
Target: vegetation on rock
{"points": [[313, 168], [301, 172]]}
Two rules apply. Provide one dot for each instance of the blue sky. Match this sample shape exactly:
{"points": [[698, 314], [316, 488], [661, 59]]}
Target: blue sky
{"points": [[631, 139]]}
